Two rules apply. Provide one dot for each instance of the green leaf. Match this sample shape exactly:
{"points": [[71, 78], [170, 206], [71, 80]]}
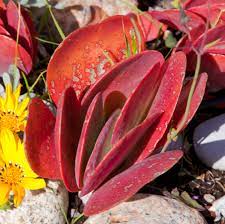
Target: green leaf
{"points": [[191, 202], [170, 40], [5, 207]]}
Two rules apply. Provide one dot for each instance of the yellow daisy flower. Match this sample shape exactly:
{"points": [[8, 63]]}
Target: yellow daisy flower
{"points": [[12, 112], [15, 173]]}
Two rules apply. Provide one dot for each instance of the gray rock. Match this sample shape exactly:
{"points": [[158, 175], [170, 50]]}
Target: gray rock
{"points": [[209, 142], [40, 207], [149, 209]]}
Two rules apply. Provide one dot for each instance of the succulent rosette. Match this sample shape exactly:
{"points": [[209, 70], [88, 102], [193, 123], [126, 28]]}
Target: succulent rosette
{"points": [[107, 142], [17, 43], [203, 23]]}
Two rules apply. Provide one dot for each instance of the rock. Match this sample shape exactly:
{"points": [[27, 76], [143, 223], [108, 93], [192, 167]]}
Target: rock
{"points": [[151, 209], [72, 14], [80, 13], [209, 142], [44, 207], [111, 7], [218, 207]]}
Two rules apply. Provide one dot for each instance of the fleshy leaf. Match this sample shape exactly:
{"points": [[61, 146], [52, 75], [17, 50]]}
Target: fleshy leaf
{"points": [[127, 183], [13, 18], [67, 133], [214, 66], [125, 76], [117, 154], [173, 18], [195, 102], [138, 104], [151, 27], [182, 102], [102, 145], [39, 140], [92, 126], [8, 52], [80, 57], [166, 98]]}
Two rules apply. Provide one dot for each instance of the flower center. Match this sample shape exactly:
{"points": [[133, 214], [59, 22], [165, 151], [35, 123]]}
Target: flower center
{"points": [[11, 174], [8, 120]]}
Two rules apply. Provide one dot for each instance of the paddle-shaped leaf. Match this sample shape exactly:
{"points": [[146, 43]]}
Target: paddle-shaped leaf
{"points": [[124, 77], [81, 59], [92, 126], [182, 103], [117, 154], [8, 53], [127, 183], [166, 99], [175, 19], [102, 146], [195, 102], [67, 132], [39, 140], [138, 104]]}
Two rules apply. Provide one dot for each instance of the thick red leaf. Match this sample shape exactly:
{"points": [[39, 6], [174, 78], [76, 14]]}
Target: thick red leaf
{"points": [[138, 104], [125, 76], [13, 18], [182, 102], [127, 183], [102, 146], [117, 154], [67, 133], [172, 18], [80, 56], [212, 35], [92, 126], [151, 27], [214, 66], [212, 12], [39, 140], [195, 102], [195, 3], [166, 99], [8, 52]]}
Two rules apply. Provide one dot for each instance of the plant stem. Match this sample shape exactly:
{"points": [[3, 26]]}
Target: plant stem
{"points": [[17, 35], [46, 41], [185, 117], [62, 35], [36, 81], [76, 219], [26, 83]]}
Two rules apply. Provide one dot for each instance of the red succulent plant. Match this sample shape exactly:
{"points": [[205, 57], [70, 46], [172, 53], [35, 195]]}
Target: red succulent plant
{"points": [[15, 23], [203, 22], [107, 142]]}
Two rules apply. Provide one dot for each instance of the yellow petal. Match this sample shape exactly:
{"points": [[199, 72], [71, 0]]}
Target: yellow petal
{"points": [[8, 144], [22, 106], [9, 100], [23, 162], [17, 94], [19, 194], [33, 184], [4, 193]]}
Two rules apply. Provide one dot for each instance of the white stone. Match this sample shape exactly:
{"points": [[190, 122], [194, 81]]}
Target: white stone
{"points": [[218, 208], [111, 7], [40, 207], [209, 142], [149, 209]]}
